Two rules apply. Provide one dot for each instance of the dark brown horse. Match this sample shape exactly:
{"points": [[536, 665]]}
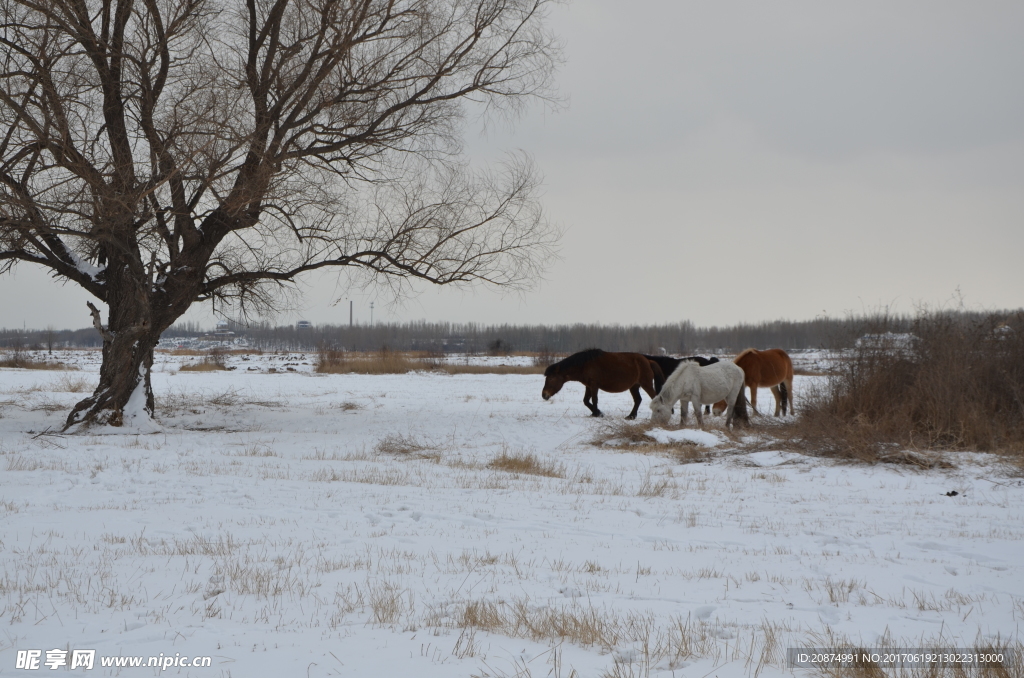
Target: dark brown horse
{"points": [[612, 372], [771, 368]]}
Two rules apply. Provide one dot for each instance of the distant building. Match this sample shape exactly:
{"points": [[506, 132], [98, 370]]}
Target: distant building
{"points": [[223, 326], [303, 325]]}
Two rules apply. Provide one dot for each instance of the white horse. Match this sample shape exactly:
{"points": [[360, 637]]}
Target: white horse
{"points": [[691, 383]]}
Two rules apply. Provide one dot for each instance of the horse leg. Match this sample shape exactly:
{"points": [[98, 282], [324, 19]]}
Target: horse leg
{"points": [[591, 395], [778, 400], [783, 396], [635, 392], [753, 399], [789, 395], [684, 409], [700, 415]]}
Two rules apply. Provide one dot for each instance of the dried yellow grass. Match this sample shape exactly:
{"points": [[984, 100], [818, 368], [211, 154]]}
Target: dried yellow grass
{"points": [[956, 386], [526, 462], [205, 365], [386, 361], [330, 361], [629, 436], [21, 362]]}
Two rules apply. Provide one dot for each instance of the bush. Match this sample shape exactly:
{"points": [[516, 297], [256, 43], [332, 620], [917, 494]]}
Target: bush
{"points": [[957, 385]]}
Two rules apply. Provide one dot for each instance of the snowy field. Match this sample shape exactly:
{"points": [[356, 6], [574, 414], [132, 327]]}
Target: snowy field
{"points": [[292, 524]]}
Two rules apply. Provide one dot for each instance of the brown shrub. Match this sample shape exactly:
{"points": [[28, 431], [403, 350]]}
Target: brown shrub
{"points": [[958, 385]]}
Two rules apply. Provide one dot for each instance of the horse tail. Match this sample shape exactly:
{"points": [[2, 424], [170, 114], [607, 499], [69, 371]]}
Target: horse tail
{"points": [[739, 411], [783, 395], [659, 376]]}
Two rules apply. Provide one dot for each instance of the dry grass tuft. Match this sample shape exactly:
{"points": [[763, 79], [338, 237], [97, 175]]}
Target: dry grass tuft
{"points": [[202, 366], [959, 385], [632, 436], [526, 462], [406, 446], [177, 402], [71, 384], [585, 626], [214, 360]]}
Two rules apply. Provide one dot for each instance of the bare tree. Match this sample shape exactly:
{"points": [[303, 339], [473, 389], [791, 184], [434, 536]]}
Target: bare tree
{"points": [[50, 337], [162, 152]]}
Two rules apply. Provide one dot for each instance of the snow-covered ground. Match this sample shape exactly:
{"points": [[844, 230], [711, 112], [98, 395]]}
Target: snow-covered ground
{"points": [[292, 524]]}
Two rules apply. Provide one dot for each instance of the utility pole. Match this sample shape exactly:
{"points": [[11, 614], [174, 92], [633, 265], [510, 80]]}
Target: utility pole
{"points": [[371, 314], [350, 302]]}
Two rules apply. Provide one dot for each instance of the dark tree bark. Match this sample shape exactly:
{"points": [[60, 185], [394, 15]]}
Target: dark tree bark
{"points": [[163, 152]]}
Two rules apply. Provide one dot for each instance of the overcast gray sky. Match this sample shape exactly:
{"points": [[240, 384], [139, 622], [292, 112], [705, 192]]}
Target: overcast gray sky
{"points": [[744, 161]]}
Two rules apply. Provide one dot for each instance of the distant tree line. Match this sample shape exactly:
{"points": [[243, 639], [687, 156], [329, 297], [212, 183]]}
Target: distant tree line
{"points": [[675, 338], [50, 339]]}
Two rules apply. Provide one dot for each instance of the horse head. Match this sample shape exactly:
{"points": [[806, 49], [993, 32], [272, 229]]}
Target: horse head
{"points": [[553, 383], [660, 411]]}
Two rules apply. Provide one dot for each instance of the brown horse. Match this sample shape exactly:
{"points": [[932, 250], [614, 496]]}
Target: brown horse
{"points": [[771, 368], [597, 369]]}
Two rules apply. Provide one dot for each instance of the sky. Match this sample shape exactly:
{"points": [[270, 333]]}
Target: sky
{"points": [[740, 162]]}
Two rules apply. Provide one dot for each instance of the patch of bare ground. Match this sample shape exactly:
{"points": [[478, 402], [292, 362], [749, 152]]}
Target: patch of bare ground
{"points": [[952, 384]]}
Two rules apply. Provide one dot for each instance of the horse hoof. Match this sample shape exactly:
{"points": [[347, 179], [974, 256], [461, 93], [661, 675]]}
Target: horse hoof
{"points": [[631, 416]]}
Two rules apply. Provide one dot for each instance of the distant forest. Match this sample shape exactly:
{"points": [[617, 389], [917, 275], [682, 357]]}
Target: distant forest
{"points": [[677, 338]]}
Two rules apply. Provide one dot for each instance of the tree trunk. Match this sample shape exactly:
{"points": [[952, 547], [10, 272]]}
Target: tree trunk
{"points": [[125, 392], [124, 395]]}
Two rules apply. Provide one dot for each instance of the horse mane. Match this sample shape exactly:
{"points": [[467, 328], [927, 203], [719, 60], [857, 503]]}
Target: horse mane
{"points": [[575, 360], [743, 353]]}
